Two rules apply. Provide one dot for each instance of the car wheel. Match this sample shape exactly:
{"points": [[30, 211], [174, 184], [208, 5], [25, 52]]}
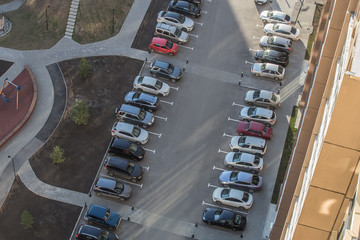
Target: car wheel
{"points": [[111, 174], [208, 223], [171, 54], [173, 80], [226, 185], [253, 171], [151, 50], [264, 21], [139, 143], [269, 34], [144, 126], [258, 154], [112, 228], [242, 208], [258, 75], [241, 134], [272, 108], [133, 179], [153, 74], [250, 103], [99, 194], [251, 190], [91, 222], [268, 125], [234, 229], [150, 110], [235, 150], [276, 78], [122, 199], [184, 29], [218, 202]]}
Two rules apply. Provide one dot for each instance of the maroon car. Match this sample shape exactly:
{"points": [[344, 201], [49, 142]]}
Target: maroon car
{"points": [[255, 129]]}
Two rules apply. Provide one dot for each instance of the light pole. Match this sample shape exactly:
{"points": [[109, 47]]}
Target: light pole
{"points": [[13, 164], [113, 21], [301, 4], [47, 21]]}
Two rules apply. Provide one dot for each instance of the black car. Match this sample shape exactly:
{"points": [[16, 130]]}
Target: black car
{"points": [[142, 100], [126, 148], [276, 43], [272, 56], [224, 218], [87, 232], [195, 2], [134, 115], [165, 70], [112, 188], [123, 168], [103, 216], [185, 8]]}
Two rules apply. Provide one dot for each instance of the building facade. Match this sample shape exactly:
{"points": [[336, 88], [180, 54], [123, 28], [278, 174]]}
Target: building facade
{"points": [[320, 196]]}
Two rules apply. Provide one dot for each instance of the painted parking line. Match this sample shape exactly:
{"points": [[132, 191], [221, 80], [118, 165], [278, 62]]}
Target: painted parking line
{"points": [[176, 88], [221, 151], [247, 62], [236, 104], [204, 12], [258, 25], [136, 184], [227, 135], [252, 50], [254, 37], [150, 150], [182, 46], [147, 168], [209, 185], [171, 103], [157, 134], [221, 169], [229, 209], [234, 120], [208, 0], [200, 23], [163, 118], [193, 35]]}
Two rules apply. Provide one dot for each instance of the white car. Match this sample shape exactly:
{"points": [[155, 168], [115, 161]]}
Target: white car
{"points": [[282, 30], [268, 70], [261, 2], [258, 114], [151, 85], [263, 98], [254, 145], [275, 17], [244, 161], [233, 197], [176, 19], [130, 132]]}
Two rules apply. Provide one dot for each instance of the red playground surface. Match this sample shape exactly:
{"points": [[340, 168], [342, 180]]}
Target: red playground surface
{"points": [[11, 120]]}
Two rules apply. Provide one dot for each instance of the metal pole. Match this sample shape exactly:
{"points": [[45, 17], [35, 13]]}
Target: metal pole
{"points": [[47, 22], [113, 20], [13, 164], [301, 2]]}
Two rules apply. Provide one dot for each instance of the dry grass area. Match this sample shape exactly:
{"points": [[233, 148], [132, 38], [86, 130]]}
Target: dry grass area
{"points": [[5, 1], [29, 24], [99, 20]]}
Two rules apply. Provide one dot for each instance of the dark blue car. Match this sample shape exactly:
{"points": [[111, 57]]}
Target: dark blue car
{"points": [[185, 8], [142, 100], [165, 70], [87, 232], [224, 218], [103, 216]]}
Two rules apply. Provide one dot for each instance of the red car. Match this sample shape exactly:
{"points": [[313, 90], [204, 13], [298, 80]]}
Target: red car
{"points": [[162, 45], [255, 129]]}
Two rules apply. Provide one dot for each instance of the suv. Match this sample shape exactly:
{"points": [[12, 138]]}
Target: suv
{"points": [[102, 215], [135, 115], [171, 32], [272, 56], [130, 132], [242, 180], [87, 232], [165, 70], [258, 114], [162, 45], [254, 145], [276, 43], [123, 168], [143, 100], [262, 98], [112, 188], [123, 147], [176, 19], [244, 161]]}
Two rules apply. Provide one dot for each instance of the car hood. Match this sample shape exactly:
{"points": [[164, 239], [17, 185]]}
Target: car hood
{"points": [[137, 171], [113, 219], [165, 88], [235, 141], [242, 125], [176, 73], [264, 14], [256, 67], [259, 53], [126, 191], [268, 27], [188, 23], [225, 176], [144, 135], [229, 157], [244, 112], [148, 117], [217, 193], [249, 96]]}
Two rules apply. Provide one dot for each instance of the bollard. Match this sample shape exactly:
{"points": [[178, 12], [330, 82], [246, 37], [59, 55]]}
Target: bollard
{"points": [[128, 218], [146, 59], [239, 82], [184, 69], [89, 194], [196, 224], [132, 207], [187, 61], [193, 235], [279, 91], [280, 83], [85, 205], [242, 74]]}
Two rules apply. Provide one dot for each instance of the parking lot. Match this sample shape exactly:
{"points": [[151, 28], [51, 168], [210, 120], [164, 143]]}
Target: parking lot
{"points": [[194, 125]]}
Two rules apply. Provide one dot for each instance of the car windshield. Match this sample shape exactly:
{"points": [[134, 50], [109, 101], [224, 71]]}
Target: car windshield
{"points": [[271, 39], [217, 215], [270, 14], [140, 79], [119, 186], [237, 156], [107, 215], [293, 30], [241, 140], [181, 18], [130, 167], [191, 7], [233, 176], [142, 114], [273, 97], [237, 219], [255, 180], [133, 147], [251, 111], [158, 85], [104, 235], [225, 193], [169, 44], [256, 94], [263, 67], [276, 27], [264, 130], [177, 32], [245, 197], [136, 131], [136, 95], [171, 68]]}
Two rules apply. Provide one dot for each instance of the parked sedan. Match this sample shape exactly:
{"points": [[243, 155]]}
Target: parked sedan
{"points": [[162, 45], [135, 115], [268, 70], [87, 232], [282, 30], [255, 129], [244, 161], [124, 168], [276, 43], [224, 218], [263, 115], [176, 19], [262, 98], [112, 188], [142, 100], [272, 56], [275, 17], [185, 8], [130, 132], [151, 85], [165, 70], [126, 148], [233, 197], [248, 144], [242, 180], [103, 216]]}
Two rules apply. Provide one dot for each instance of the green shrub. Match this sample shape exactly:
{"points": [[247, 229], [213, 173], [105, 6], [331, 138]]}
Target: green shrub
{"points": [[80, 113], [85, 69], [58, 155], [27, 220]]}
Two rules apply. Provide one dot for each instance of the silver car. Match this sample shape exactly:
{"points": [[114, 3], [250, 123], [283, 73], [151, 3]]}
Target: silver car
{"points": [[151, 85], [130, 132], [262, 98], [176, 19], [282, 30], [233, 197], [258, 114], [112, 188], [261, 2], [275, 17], [171, 32], [244, 161], [254, 145], [269, 70]]}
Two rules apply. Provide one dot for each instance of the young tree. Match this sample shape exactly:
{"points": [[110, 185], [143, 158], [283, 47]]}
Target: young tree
{"points": [[85, 69], [80, 113], [58, 155], [27, 220]]}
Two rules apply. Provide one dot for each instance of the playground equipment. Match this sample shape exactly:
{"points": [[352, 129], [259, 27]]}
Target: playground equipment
{"points": [[3, 97]]}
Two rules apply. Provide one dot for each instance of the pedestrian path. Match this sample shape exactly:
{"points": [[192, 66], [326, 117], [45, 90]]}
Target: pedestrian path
{"points": [[11, 6], [72, 19]]}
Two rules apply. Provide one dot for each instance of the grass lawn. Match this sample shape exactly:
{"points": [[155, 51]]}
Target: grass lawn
{"points": [[99, 20], [312, 36], [289, 142]]}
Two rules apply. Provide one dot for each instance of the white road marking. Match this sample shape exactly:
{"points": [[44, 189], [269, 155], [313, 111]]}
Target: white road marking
{"points": [[209, 185], [218, 168], [163, 118], [136, 184], [204, 12], [197, 36], [247, 62], [234, 120], [236, 104], [254, 37], [217, 206], [176, 88], [157, 134], [200, 23], [208, 0], [171, 103], [227, 135], [191, 48], [147, 168], [150, 150], [220, 151], [258, 25], [250, 49]]}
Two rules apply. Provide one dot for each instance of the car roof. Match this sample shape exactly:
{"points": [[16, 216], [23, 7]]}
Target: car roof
{"points": [[130, 109], [265, 94], [105, 182], [264, 112], [172, 14], [284, 27], [236, 194], [255, 141], [118, 162], [272, 67], [124, 126], [279, 14], [161, 64], [281, 40], [157, 40], [97, 211], [119, 142], [226, 215], [149, 80], [244, 176], [181, 3], [90, 230], [256, 126], [165, 26]]}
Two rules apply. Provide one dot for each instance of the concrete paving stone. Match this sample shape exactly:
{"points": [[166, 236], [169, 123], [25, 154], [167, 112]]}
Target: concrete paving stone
{"points": [[71, 19], [70, 27], [66, 36], [72, 16], [73, 10], [74, 6], [70, 23], [69, 30]]}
